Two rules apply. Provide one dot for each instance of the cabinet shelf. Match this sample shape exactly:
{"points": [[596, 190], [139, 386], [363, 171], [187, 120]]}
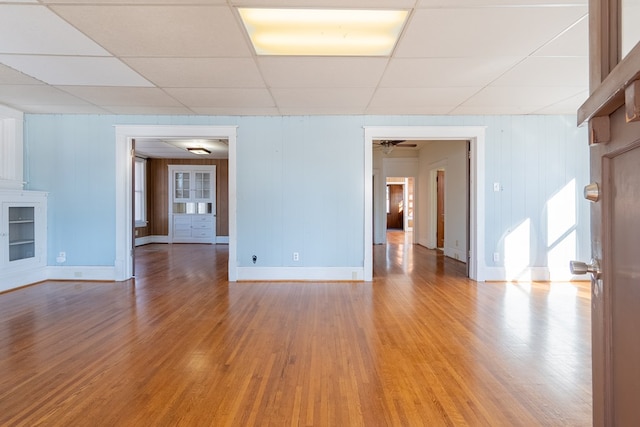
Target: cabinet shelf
{"points": [[23, 222], [21, 242]]}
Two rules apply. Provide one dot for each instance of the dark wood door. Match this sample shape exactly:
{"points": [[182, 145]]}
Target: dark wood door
{"points": [[440, 210], [395, 214], [616, 295], [133, 207], [612, 111]]}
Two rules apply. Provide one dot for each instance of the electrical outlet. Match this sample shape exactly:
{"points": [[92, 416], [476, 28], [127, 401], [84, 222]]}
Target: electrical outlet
{"points": [[496, 256], [496, 186], [296, 256], [61, 258]]}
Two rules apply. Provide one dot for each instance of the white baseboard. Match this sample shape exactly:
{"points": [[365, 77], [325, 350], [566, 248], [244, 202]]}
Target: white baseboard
{"points": [[69, 272], [151, 239], [318, 274], [19, 278], [222, 240], [456, 254]]}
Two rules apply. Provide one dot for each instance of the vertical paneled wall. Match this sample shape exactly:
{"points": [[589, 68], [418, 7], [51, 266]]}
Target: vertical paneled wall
{"points": [[300, 186]]}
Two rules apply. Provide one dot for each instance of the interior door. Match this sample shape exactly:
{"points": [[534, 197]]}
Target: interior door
{"points": [[613, 113], [395, 216], [133, 204], [440, 209], [616, 294]]}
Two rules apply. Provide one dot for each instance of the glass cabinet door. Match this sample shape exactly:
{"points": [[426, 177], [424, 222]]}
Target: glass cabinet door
{"points": [[203, 185], [182, 185]]}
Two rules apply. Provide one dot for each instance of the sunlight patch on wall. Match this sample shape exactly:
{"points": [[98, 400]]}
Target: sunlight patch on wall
{"points": [[517, 252], [561, 231]]}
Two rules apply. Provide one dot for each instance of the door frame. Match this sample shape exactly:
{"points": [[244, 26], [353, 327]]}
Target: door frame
{"points": [[440, 195], [476, 137], [124, 181]]}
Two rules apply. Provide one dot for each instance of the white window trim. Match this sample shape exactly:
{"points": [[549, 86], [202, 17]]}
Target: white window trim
{"points": [[144, 222]]}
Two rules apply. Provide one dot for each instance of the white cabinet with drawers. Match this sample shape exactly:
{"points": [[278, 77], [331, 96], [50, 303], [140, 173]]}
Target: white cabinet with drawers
{"points": [[192, 204], [193, 228]]}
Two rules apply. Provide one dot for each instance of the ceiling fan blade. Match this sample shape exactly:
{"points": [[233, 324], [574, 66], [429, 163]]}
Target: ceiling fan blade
{"points": [[406, 145]]}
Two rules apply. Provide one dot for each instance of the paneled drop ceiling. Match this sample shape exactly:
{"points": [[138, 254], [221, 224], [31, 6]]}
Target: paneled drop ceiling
{"points": [[193, 57]]}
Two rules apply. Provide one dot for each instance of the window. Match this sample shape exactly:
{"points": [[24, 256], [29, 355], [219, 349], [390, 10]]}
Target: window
{"points": [[140, 190]]}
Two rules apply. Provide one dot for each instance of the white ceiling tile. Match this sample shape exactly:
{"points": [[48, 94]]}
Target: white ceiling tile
{"points": [[36, 95], [236, 111], [74, 70], [9, 76], [32, 29], [63, 109], [322, 97], [321, 111], [573, 42], [566, 106], [144, 109], [197, 54], [160, 31], [445, 72], [545, 71], [421, 97], [480, 32], [410, 110], [136, 2], [199, 72], [288, 72], [492, 110], [521, 98], [123, 96], [210, 97]]}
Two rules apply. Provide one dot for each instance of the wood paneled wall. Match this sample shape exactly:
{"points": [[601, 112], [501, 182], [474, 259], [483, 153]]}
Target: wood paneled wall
{"points": [[158, 194]]}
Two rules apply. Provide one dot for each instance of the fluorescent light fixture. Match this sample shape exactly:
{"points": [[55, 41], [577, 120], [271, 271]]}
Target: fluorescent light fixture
{"points": [[198, 150], [323, 32]]}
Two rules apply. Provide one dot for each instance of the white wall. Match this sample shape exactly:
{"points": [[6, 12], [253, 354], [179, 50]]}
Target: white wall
{"points": [[450, 156], [300, 187]]}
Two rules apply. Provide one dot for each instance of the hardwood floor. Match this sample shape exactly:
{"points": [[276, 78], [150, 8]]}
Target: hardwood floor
{"points": [[419, 346]]}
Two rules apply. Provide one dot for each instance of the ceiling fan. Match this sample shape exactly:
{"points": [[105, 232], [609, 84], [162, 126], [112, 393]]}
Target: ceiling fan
{"points": [[389, 144]]}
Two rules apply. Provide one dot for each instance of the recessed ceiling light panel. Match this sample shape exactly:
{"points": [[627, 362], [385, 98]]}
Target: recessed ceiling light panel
{"points": [[198, 150], [323, 32]]}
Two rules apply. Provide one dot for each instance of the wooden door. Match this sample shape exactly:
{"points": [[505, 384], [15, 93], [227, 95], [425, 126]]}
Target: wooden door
{"points": [[395, 214], [133, 207], [440, 210], [612, 111]]}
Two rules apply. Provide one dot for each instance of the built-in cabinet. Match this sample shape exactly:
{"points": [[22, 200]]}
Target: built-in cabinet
{"points": [[192, 204], [23, 233]]}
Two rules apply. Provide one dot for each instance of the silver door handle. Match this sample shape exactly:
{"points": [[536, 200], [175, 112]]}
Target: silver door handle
{"points": [[578, 268]]}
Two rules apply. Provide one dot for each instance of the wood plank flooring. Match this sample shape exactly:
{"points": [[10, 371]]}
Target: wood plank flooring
{"points": [[419, 346]]}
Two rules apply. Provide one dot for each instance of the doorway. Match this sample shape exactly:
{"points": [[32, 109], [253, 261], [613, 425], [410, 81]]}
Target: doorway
{"points": [[440, 214], [476, 137], [124, 186]]}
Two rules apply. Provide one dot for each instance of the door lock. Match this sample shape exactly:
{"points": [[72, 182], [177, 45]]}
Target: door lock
{"points": [[579, 268], [592, 192]]}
